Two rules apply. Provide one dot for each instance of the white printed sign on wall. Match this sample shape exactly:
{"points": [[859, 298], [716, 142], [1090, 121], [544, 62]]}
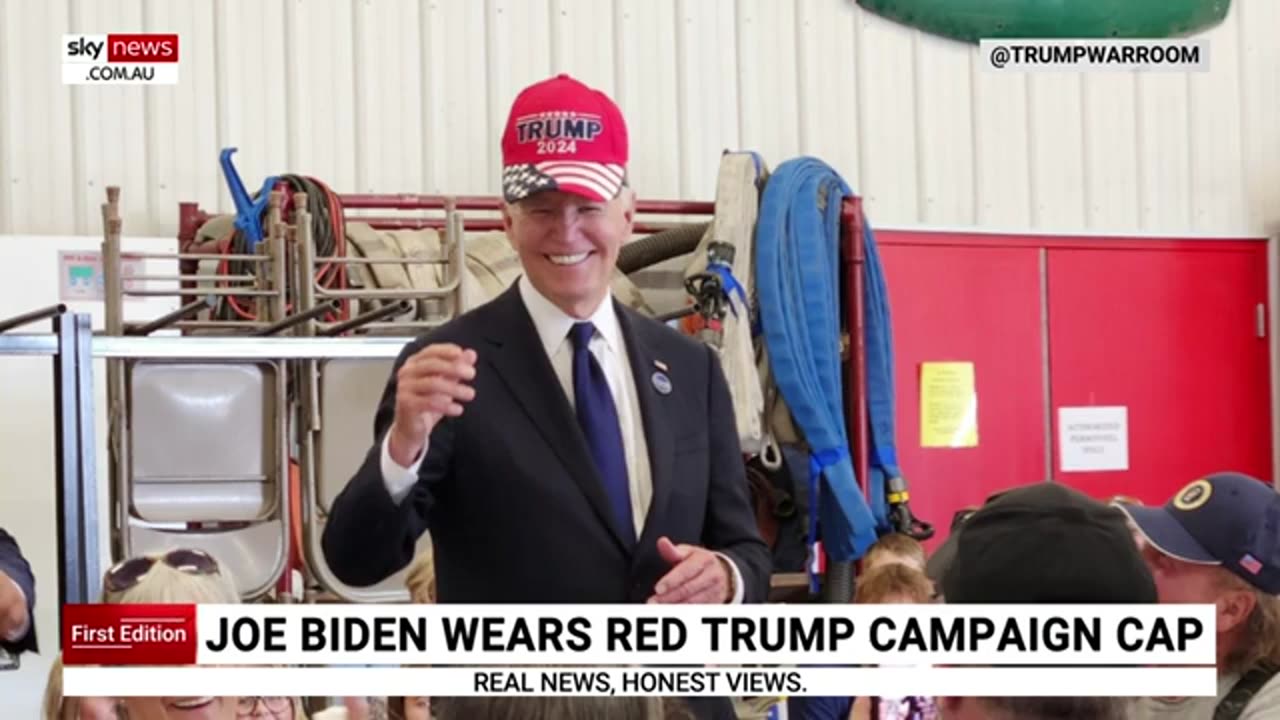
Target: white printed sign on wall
{"points": [[1093, 439]]}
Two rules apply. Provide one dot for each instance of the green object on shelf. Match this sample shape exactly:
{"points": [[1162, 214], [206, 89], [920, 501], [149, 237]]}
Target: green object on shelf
{"points": [[973, 20]]}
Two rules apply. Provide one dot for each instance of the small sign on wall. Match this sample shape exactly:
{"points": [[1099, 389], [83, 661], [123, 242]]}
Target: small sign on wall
{"points": [[1093, 439], [80, 275], [948, 405]]}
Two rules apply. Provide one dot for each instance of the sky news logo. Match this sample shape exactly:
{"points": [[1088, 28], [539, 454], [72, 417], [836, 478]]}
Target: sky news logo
{"points": [[120, 59], [1167, 55]]}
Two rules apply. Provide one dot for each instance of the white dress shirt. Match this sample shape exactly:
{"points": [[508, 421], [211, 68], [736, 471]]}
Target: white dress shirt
{"points": [[609, 348]]}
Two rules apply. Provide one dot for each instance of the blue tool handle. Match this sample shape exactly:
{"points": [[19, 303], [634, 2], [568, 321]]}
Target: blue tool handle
{"points": [[248, 211]]}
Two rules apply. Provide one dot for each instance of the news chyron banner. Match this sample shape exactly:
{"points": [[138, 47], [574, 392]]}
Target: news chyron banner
{"points": [[663, 650]]}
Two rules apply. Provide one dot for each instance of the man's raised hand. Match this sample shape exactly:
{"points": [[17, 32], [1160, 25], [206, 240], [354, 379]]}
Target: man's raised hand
{"points": [[430, 385]]}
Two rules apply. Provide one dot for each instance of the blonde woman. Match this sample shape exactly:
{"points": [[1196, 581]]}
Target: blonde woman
{"points": [[177, 576]]}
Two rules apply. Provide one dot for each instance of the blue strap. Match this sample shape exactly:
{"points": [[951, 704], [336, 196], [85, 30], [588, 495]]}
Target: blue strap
{"points": [[729, 283], [798, 287], [882, 450], [818, 462]]}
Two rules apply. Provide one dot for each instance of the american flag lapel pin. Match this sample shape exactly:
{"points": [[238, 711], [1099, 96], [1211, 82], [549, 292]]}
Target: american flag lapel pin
{"points": [[660, 381]]}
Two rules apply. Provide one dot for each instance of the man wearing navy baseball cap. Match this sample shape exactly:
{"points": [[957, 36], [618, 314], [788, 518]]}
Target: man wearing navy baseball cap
{"points": [[1217, 541]]}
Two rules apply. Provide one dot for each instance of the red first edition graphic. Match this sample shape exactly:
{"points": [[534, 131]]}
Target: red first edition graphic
{"points": [[129, 634]]}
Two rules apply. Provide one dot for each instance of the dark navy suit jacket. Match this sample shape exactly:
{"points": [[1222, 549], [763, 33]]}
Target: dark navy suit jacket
{"points": [[15, 566], [516, 509]]}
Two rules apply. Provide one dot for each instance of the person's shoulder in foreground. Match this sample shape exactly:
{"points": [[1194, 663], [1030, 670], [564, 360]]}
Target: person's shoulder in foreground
{"points": [[1217, 542]]}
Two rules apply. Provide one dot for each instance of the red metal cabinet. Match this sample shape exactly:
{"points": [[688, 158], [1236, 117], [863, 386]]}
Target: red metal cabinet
{"points": [[1168, 329], [1171, 332], [968, 304]]}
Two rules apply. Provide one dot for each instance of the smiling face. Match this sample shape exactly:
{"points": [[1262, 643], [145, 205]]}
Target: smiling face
{"points": [[181, 708], [568, 245]]}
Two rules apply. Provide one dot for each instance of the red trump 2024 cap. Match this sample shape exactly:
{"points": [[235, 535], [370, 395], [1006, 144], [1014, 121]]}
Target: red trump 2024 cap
{"points": [[562, 135]]}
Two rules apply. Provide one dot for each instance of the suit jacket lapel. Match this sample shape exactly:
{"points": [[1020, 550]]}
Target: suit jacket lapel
{"points": [[517, 354], [656, 418]]}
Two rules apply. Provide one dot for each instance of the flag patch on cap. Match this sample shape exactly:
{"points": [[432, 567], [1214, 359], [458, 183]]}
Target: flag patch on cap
{"points": [[1250, 563]]}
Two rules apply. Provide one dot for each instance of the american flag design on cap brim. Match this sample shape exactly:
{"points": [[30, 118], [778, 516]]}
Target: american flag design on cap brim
{"points": [[601, 181]]}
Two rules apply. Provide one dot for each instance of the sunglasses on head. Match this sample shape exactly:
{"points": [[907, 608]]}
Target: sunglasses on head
{"points": [[126, 573]]}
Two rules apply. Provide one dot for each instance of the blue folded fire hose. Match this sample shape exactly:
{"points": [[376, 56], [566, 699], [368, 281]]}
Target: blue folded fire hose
{"points": [[798, 287]]}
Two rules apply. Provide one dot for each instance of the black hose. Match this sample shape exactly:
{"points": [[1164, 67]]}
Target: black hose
{"points": [[658, 247]]}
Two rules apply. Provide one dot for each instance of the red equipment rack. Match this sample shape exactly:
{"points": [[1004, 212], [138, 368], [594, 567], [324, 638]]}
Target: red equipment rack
{"points": [[191, 217]]}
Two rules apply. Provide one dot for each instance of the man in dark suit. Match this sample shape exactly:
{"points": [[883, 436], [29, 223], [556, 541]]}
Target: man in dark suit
{"points": [[560, 447], [17, 599]]}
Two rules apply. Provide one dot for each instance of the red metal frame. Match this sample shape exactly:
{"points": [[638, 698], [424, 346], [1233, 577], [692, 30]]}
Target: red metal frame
{"points": [[853, 247], [191, 217]]}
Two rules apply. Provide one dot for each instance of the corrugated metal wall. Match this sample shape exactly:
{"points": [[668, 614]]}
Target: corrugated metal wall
{"points": [[410, 96]]}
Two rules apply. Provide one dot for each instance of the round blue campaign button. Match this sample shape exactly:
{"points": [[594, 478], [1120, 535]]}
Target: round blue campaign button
{"points": [[662, 383]]}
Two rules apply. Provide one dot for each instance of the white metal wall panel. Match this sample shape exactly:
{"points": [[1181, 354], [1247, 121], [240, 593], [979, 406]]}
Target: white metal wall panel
{"points": [[250, 91], [944, 132], [1164, 152], [411, 96], [707, 82], [1111, 150], [518, 39], [647, 87], [319, 60], [1057, 150], [1001, 148], [1217, 166], [461, 137], [767, 80], [1260, 115], [36, 167], [390, 119], [582, 41], [181, 122], [109, 129], [827, 84], [886, 119]]}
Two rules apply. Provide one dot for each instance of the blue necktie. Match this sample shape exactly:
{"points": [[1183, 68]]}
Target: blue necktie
{"points": [[598, 417]]}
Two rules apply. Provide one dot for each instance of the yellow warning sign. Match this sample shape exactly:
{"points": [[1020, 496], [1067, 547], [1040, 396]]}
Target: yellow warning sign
{"points": [[948, 405]]}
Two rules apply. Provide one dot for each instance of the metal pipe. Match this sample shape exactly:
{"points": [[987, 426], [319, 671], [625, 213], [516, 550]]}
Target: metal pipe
{"points": [[381, 261], [840, 581], [33, 316], [236, 292], [297, 318], [385, 311], [197, 256], [206, 347], [410, 294], [113, 284], [170, 318], [465, 202], [481, 224], [196, 276]]}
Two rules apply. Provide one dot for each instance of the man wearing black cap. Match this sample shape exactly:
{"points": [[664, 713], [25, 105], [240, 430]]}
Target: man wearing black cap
{"points": [[1218, 542], [1044, 544]]}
